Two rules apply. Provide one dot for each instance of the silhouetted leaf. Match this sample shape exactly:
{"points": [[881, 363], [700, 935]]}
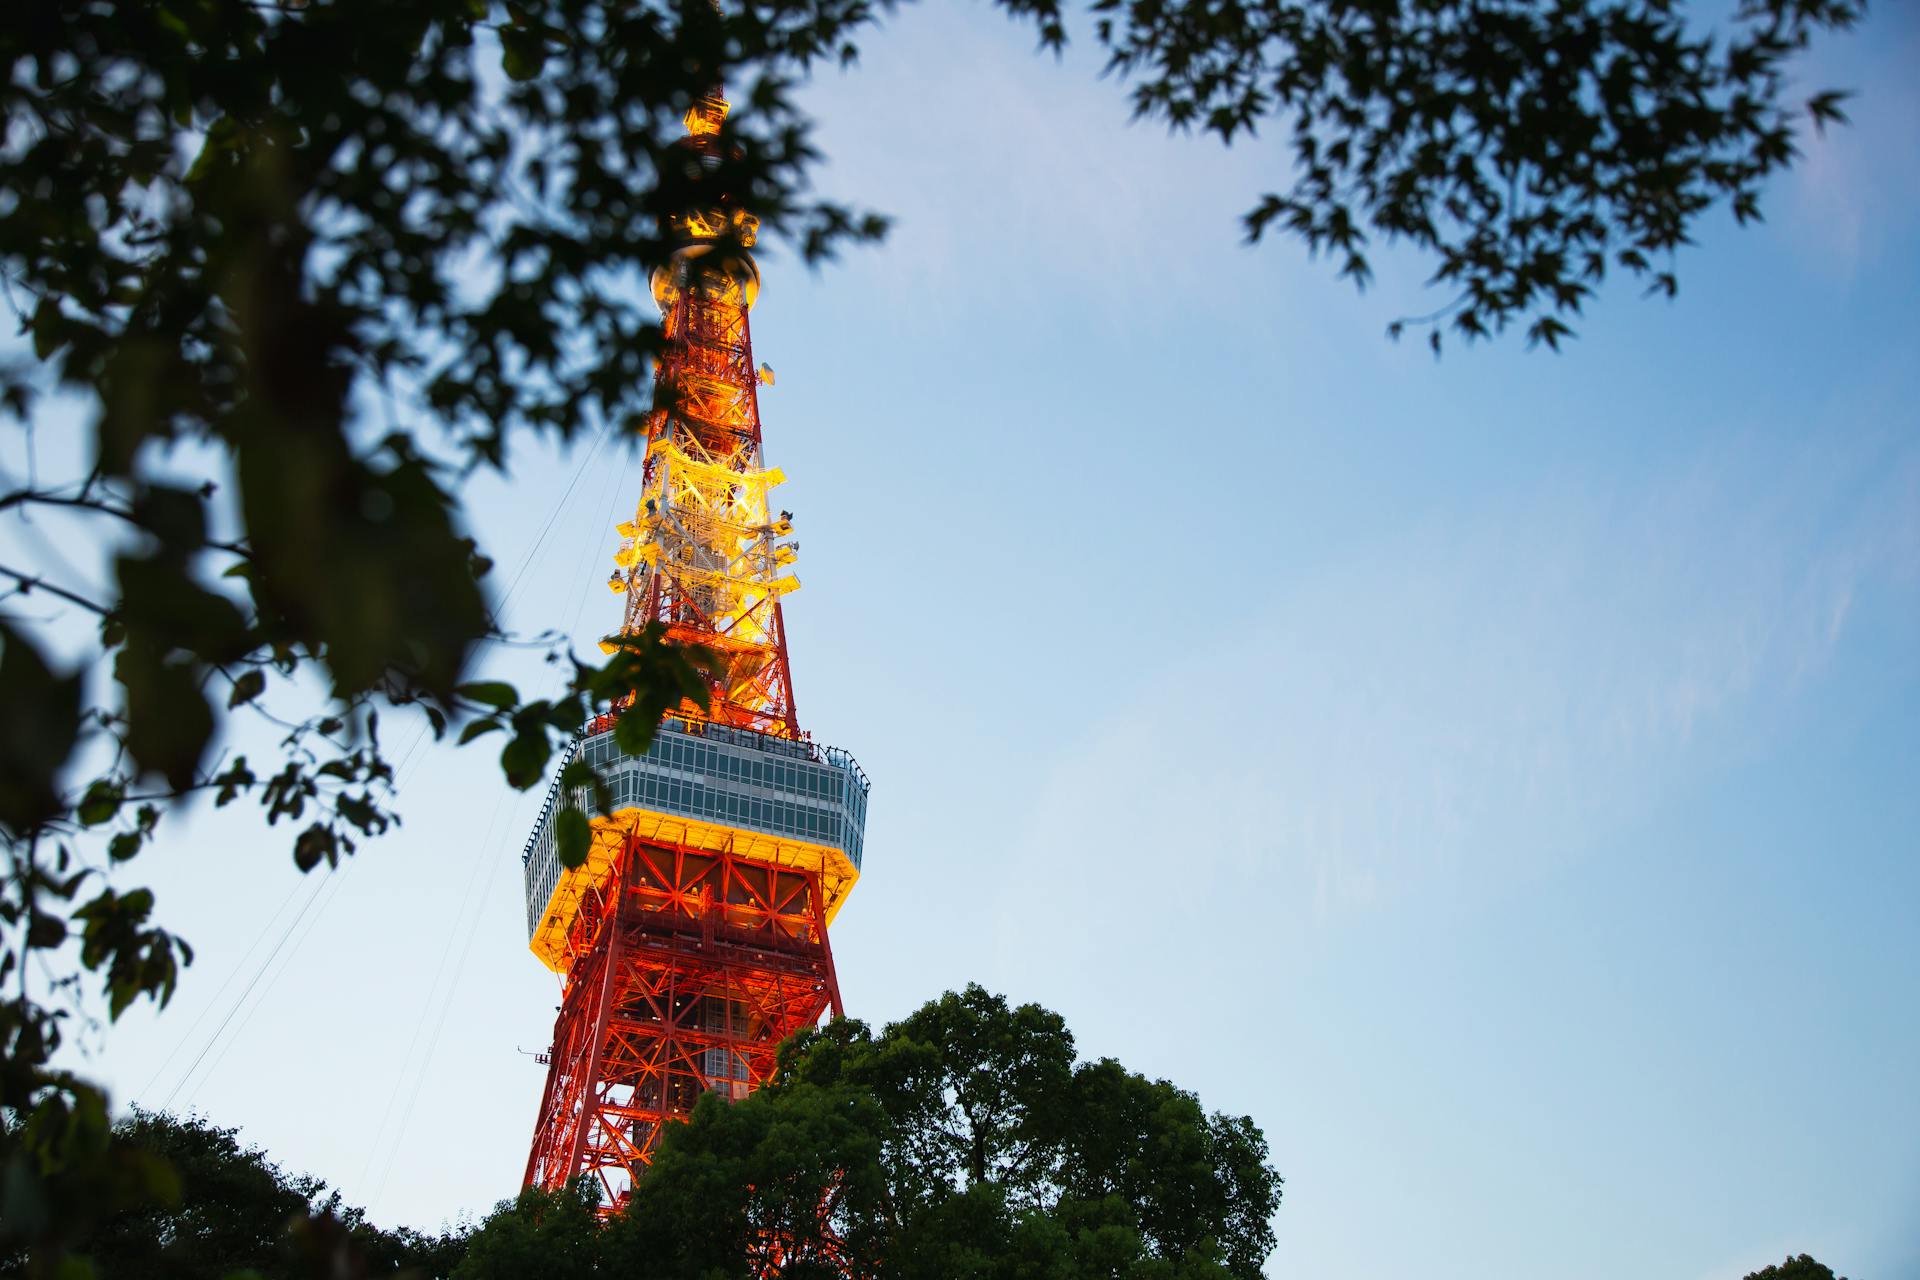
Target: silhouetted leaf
{"points": [[317, 842], [100, 803], [493, 693], [246, 687], [524, 758], [37, 731], [572, 834], [523, 53], [46, 931], [169, 724]]}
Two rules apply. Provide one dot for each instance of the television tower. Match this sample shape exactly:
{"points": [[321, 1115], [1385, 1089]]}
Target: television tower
{"points": [[693, 939]]}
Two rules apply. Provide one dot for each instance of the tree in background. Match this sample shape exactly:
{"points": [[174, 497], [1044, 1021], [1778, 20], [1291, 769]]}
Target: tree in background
{"points": [[293, 269], [1797, 1267], [552, 1235], [964, 1141], [226, 1209]]}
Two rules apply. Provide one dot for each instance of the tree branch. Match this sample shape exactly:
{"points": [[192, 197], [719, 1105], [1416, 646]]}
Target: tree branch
{"points": [[20, 497], [29, 583]]}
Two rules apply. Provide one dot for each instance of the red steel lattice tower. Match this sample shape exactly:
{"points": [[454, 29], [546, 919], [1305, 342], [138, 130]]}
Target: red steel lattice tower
{"points": [[694, 937]]}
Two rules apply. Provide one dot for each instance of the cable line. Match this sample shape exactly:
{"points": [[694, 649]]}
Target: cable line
{"points": [[232, 973], [591, 548], [433, 1042], [291, 925], [426, 1006], [400, 771], [330, 888]]}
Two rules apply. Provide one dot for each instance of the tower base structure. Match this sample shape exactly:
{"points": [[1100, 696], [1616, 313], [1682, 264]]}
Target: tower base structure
{"points": [[693, 940]]}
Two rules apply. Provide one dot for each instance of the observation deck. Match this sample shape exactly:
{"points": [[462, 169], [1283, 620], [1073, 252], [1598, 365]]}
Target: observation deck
{"points": [[706, 788]]}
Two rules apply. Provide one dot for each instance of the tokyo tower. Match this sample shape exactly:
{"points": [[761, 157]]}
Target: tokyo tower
{"points": [[693, 939]]}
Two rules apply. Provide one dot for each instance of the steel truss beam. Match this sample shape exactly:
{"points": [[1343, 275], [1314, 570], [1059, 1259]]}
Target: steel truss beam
{"points": [[697, 966]]}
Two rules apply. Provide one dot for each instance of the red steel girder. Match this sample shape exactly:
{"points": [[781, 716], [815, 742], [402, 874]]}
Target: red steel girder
{"points": [[694, 967]]}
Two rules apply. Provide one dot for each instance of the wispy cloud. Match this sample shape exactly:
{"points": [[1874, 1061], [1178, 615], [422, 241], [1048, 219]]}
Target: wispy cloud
{"points": [[1466, 704], [1856, 185], [1011, 174]]}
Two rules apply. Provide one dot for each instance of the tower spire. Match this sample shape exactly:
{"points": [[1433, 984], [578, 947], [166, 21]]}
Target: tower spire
{"points": [[705, 553]]}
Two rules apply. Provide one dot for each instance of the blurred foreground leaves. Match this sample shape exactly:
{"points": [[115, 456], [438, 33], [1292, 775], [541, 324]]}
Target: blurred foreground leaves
{"points": [[242, 236]]}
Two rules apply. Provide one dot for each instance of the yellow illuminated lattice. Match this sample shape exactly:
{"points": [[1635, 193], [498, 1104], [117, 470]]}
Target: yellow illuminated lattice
{"points": [[706, 115], [836, 871]]}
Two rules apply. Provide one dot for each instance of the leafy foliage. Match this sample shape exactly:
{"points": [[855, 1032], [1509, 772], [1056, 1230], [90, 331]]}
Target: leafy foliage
{"points": [[1798, 1267], [1528, 148], [552, 1235], [238, 231], [216, 1208], [962, 1141]]}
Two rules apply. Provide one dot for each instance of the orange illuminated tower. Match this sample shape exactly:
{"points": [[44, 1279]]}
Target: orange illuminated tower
{"points": [[694, 937]]}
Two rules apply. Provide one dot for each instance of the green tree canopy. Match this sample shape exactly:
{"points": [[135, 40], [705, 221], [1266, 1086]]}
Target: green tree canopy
{"points": [[964, 1141], [217, 1208], [555, 1235], [1797, 1267]]}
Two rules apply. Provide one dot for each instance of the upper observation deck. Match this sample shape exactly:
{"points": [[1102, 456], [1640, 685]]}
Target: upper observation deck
{"points": [[707, 787]]}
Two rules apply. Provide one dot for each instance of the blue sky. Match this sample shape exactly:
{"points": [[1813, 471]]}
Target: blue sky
{"points": [[1499, 776]]}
